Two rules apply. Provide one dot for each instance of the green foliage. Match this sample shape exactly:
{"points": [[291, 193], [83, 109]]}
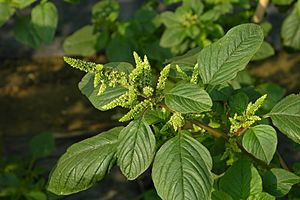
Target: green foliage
{"points": [[278, 182], [241, 180], [181, 169], [42, 145], [44, 18], [286, 116], [83, 42], [136, 149], [265, 51], [261, 141], [202, 130], [21, 178], [89, 160], [33, 30], [220, 62], [188, 98], [291, 28]]}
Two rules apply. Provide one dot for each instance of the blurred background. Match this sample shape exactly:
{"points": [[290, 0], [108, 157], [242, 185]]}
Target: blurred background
{"points": [[42, 111]]}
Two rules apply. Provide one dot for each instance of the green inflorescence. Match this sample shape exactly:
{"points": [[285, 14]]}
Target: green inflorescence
{"points": [[146, 104], [138, 96], [241, 122], [194, 79], [176, 120], [161, 83]]}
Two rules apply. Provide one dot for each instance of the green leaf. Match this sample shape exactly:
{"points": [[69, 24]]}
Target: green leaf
{"points": [[119, 49], [219, 195], [261, 196], [261, 142], [169, 19], [35, 195], [238, 102], [86, 86], [21, 3], [220, 62], [82, 42], [25, 32], [286, 116], [282, 2], [156, 116], [241, 180], [136, 148], [5, 12], [290, 30], [44, 18], [181, 169], [120, 66], [85, 163], [265, 51], [42, 145], [172, 36], [278, 182], [188, 98], [195, 5]]}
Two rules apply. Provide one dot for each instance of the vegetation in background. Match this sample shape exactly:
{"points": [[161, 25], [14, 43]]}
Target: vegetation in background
{"points": [[159, 33], [20, 178]]}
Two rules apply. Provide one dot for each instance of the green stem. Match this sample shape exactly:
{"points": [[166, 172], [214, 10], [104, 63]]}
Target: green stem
{"points": [[211, 131], [218, 134]]}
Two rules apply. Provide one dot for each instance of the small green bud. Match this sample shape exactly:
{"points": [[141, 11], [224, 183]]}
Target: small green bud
{"points": [[148, 91], [176, 120]]}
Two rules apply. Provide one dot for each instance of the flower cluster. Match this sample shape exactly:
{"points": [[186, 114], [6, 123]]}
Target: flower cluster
{"points": [[139, 94], [241, 122]]}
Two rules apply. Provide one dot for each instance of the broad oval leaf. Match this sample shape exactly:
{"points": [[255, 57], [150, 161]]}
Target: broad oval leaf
{"points": [[86, 85], [261, 142], [241, 180], [285, 116], [82, 42], [85, 163], [25, 32], [290, 30], [181, 169], [278, 182], [221, 61], [261, 196], [188, 98], [136, 149], [44, 18]]}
